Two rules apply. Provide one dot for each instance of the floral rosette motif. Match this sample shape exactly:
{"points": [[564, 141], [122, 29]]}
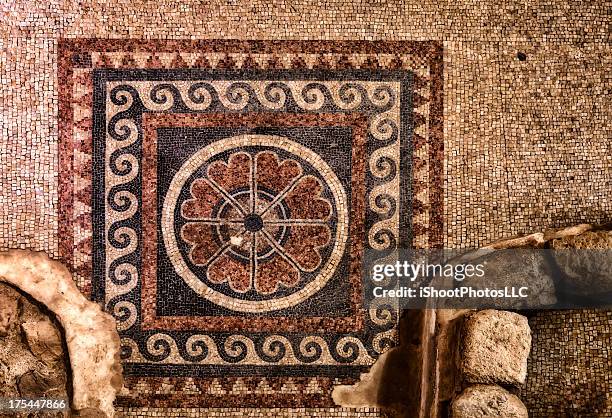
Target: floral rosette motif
{"points": [[257, 222]]}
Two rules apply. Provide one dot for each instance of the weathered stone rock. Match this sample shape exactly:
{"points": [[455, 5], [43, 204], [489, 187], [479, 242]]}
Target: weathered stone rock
{"points": [[36, 384], [482, 401], [528, 268], [91, 335], [592, 240], [394, 381], [586, 261], [9, 299], [538, 239], [495, 348], [33, 338], [7, 388], [44, 340]]}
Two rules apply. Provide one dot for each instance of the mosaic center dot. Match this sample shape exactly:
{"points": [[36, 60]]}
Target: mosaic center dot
{"points": [[256, 224], [253, 222]]}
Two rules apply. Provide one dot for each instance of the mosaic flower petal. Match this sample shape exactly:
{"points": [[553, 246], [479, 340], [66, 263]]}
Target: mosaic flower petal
{"points": [[205, 197], [200, 236], [273, 174], [226, 269], [271, 274], [304, 200], [304, 243], [236, 173]]}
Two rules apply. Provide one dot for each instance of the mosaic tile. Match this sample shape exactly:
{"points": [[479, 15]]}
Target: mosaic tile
{"points": [[233, 188], [568, 371]]}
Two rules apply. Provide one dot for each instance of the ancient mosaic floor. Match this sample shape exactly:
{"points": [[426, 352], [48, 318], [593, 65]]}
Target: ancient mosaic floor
{"points": [[413, 123], [218, 197], [569, 366]]}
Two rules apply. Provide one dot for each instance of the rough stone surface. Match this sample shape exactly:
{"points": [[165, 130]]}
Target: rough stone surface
{"points": [[586, 261], [396, 381], [33, 363], [8, 309], [44, 340], [496, 345], [531, 265], [591, 240], [483, 401], [91, 336]]}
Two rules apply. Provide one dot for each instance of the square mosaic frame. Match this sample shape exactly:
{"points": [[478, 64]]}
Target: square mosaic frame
{"points": [[81, 59], [357, 123]]}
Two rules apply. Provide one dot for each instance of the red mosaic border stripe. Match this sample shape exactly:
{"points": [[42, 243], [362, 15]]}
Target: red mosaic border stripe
{"points": [[65, 151], [427, 49], [436, 142], [177, 388]]}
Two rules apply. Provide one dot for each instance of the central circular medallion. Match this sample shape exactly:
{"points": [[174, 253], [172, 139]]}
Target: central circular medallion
{"points": [[252, 223]]}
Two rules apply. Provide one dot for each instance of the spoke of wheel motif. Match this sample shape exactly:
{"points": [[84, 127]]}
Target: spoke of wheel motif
{"points": [[253, 184], [218, 254], [253, 258], [216, 221], [294, 222], [280, 249], [229, 198], [281, 195], [223, 249]]}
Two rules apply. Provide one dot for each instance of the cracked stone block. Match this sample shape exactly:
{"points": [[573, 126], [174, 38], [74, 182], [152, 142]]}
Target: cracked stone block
{"points": [[483, 401], [496, 345], [586, 260], [531, 265]]}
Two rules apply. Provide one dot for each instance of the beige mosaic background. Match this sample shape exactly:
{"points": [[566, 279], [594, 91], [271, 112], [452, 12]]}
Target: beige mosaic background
{"points": [[528, 144]]}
